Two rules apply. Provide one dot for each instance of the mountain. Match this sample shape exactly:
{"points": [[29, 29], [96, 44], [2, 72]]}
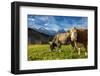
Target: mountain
{"points": [[35, 37], [46, 31], [61, 31]]}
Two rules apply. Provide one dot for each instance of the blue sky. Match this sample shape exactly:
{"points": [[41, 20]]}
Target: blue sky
{"points": [[56, 23]]}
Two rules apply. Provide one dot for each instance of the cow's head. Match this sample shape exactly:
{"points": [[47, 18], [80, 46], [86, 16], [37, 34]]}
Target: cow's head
{"points": [[73, 34]]}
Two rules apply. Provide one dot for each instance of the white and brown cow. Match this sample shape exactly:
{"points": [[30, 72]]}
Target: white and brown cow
{"points": [[60, 39]]}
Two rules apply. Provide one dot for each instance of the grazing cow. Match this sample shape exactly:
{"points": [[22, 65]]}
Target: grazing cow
{"points": [[79, 36], [59, 39]]}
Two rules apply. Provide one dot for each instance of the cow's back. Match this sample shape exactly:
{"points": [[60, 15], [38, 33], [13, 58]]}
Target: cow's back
{"points": [[62, 37]]}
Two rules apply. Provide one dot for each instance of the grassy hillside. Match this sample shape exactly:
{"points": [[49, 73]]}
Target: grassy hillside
{"points": [[42, 52]]}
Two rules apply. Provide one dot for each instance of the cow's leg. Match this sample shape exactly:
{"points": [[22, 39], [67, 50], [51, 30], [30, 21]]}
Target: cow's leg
{"points": [[52, 46], [86, 50], [79, 51], [76, 49], [74, 45], [59, 47], [86, 54]]}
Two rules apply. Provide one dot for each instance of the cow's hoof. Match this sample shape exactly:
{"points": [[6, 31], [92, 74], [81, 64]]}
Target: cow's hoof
{"points": [[86, 54]]}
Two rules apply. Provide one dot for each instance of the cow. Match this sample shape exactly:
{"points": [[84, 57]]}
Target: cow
{"points": [[59, 39], [79, 36]]}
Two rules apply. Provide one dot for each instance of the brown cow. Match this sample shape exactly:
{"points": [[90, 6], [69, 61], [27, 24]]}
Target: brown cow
{"points": [[79, 36]]}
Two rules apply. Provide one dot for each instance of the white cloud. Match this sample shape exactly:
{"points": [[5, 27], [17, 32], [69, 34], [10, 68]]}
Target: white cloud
{"points": [[46, 24], [43, 18], [33, 19]]}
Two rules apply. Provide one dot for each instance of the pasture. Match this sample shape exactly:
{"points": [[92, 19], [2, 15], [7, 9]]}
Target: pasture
{"points": [[42, 52]]}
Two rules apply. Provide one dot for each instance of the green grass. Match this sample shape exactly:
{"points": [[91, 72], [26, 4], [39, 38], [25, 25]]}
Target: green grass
{"points": [[42, 52]]}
